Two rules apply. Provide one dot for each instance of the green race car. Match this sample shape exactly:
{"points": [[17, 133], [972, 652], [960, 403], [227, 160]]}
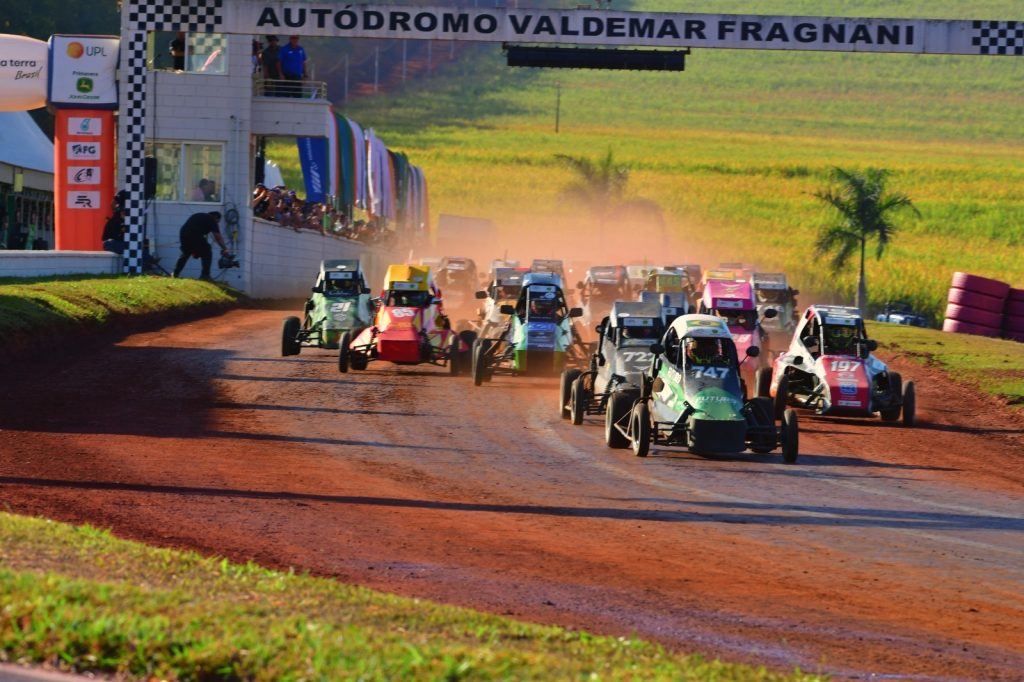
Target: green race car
{"points": [[340, 305], [692, 398]]}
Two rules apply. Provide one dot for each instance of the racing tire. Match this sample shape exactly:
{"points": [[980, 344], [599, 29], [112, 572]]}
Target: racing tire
{"points": [[895, 394], [619, 405], [973, 315], [1015, 295], [358, 360], [290, 344], [565, 386], [973, 299], [454, 357], [343, 351], [781, 396], [480, 349], [790, 437], [1014, 324], [958, 327], [1014, 308], [909, 404], [763, 379], [762, 409], [578, 400], [640, 429], [981, 285]]}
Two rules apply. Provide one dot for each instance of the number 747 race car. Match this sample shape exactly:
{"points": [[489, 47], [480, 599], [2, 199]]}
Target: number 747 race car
{"points": [[829, 368]]}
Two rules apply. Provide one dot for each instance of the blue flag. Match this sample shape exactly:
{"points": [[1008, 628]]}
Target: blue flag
{"points": [[313, 157]]}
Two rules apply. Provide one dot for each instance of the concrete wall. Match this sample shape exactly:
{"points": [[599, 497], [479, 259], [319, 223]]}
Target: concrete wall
{"points": [[284, 263], [50, 263], [290, 117]]}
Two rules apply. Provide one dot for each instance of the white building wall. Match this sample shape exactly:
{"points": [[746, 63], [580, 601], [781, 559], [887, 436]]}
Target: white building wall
{"points": [[52, 263]]}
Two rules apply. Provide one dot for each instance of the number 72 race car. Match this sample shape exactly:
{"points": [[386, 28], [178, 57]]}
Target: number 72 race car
{"points": [[829, 368]]}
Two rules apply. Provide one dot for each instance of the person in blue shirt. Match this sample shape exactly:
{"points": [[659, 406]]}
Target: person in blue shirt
{"points": [[293, 65]]}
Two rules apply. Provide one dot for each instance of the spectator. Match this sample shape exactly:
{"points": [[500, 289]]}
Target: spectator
{"points": [[113, 231], [177, 50], [194, 243], [205, 190], [272, 73], [293, 66]]}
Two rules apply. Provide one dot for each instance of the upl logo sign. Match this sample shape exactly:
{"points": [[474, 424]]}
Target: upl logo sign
{"points": [[76, 50]]}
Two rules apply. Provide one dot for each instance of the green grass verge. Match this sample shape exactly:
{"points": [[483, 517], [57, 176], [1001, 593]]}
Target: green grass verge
{"points": [[81, 599], [733, 148], [993, 366], [34, 310]]}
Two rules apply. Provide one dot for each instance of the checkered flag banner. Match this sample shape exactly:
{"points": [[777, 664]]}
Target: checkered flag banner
{"points": [[999, 37], [193, 16]]}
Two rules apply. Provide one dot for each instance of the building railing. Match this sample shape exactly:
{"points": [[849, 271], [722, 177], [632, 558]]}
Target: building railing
{"points": [[273, 87]]}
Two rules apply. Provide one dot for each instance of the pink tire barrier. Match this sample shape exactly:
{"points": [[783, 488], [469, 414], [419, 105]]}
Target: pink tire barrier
{"points": [[959, 327], [1014, 324], [974, 316], [1015, 295], [971, 299], [980, 285], [1014, 308]]}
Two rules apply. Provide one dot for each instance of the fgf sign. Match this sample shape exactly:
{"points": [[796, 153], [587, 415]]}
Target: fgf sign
{"points": [[84, 176]]}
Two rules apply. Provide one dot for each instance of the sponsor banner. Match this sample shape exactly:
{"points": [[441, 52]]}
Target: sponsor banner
{"points": [[84, 175], [89, 151], [23, 72], [640, 29], [313, 159], [82, 72], [79, 125], [83, 200]]}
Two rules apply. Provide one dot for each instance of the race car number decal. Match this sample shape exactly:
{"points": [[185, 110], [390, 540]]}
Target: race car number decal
{"points": [[725, 304], [637, 321], [635, 356], [711, 372], [405, 286], [341, 307], [403, 312], [845, 365]]}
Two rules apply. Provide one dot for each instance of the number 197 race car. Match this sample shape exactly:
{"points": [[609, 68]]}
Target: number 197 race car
{"points": [[829, 368]]}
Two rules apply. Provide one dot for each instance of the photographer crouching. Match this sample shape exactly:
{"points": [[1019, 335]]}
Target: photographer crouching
{"points": [[194, 243]]}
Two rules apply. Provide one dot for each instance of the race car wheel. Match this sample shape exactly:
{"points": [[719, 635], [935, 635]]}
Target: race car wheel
{"points": [[909, 404], [358, 360], [781, 396], [578, 399], [790, 437], [290, 344], [468, 337], [343, 343], [895, 395], [565, 384], [618, 407], [640, 429], [761, 410], [480, 349], [454, 357], [763, 379]]}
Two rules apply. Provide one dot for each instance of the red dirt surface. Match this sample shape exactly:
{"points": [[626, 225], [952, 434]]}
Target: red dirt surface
{"points": [[885, 552]]}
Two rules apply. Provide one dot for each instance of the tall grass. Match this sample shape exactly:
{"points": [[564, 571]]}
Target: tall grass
{"points": [[733, 147]]}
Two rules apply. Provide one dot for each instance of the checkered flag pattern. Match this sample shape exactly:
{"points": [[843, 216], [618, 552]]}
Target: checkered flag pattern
{"points": [[194, 16], [999, 37]]}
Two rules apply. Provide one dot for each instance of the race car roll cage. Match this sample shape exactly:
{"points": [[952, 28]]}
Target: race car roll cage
{"points": [[310, 330]]}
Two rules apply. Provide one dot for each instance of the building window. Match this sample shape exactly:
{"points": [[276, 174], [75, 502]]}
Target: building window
{"points": [[187, 171], [188, 52]]}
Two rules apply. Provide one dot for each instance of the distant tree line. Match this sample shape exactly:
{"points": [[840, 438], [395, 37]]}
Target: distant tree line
{"points": [[43, 18]]}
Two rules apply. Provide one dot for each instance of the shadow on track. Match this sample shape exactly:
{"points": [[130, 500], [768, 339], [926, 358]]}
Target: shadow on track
{"points": [[318, 410]]}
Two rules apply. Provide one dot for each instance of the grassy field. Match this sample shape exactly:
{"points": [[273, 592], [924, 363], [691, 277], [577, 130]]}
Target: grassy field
{"points": [[733, 147], [39, 312], [78, 598]]}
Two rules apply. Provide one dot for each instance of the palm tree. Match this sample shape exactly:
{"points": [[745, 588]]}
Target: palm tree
{"points": [[600, 186], [865, 210]]}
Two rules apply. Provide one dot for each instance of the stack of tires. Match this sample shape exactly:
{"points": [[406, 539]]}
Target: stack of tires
{"points": [[975, 305], [1013, 315]]}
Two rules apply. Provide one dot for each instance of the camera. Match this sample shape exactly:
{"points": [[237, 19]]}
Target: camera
{"points": [[227, 261]]}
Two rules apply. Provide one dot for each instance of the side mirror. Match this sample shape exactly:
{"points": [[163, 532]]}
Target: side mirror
{"points": [[575, 312], [809, 341], [871, 345], [318, 290], [657, 348], [599, 329], [507, 309], [770, 313], [753, 351], [600, 360], [798, 360], [481, 295]]}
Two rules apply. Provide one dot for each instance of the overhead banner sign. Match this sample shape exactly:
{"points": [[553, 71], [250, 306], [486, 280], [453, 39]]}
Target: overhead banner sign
{"points": [[635, 29], [23, 71], [83, 72]]}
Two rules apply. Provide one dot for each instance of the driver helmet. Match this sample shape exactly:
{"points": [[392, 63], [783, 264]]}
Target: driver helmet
{"points": [[639, 332], [542, 306], [702, 351], [841, 338]]}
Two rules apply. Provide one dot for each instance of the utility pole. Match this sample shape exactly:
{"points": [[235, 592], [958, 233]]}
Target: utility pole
{"points": [[558, 105], [376, 69], [405, 56]]}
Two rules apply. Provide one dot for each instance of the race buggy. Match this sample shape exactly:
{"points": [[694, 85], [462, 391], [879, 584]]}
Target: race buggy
{"points": [[733, 301], [338, 309], [670, 281], [772, 291], [410, 326], [504, 290], [692, 398], [547, 265], [618, 365], [458, 280], [829, 368], [602, 286], [538, 339]]}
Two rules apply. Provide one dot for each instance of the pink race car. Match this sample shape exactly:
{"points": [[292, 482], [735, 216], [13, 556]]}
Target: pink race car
{"points": [[733, 300]]}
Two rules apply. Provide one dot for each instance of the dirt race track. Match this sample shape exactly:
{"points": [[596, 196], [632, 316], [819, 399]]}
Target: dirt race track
{"points": [[888, 552]]}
